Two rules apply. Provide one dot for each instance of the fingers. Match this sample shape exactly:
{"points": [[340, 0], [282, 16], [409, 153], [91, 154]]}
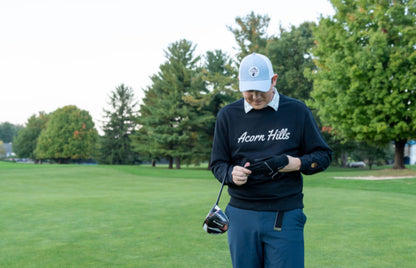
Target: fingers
{"points": [[240, 174]]}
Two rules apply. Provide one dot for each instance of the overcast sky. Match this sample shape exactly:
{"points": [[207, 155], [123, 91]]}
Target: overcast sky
{"points": [[55, 53]]}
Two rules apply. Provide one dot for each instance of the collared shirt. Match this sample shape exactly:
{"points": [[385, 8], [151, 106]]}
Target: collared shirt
{"points": [[274, 103]]}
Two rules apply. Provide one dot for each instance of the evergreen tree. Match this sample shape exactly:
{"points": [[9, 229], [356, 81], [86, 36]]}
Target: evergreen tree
{"points": [[251, 34], [120, 124], [219, 77], [291, 58], [143, 141], [289, 52], [166, 121]]}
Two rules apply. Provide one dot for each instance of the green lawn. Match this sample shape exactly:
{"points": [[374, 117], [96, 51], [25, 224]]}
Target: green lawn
{"points": [[139, 216]]}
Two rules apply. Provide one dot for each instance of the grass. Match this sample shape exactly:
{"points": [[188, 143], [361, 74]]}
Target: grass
{"points": [[138, 216], [355, 223]]}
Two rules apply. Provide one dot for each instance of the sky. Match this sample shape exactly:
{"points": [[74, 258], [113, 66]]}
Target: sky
{"points": [[55, 53]]}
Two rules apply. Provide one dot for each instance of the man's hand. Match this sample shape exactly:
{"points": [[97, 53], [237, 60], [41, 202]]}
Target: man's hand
{"points": [[269, 166], [240, 174]]}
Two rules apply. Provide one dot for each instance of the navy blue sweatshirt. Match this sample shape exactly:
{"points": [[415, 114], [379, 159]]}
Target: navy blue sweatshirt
{"points": [[242, 137]]}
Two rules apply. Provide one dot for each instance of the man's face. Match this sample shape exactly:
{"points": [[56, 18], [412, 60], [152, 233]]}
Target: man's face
{"points": [[257, 99]]}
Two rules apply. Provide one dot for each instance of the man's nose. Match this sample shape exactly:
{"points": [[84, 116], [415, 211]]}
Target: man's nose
{"points": [[256, 94]]}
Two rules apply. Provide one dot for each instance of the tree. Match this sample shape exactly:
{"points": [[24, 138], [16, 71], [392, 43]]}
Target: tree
{"points": [[143, 141], [251, 34], [289, 52], [291, 57], [341, 149], [8, 131], [166, 120], [2, 149], [115, 145], [69, 135], [371, 153], [365, 85], [24, 144], [219, 76]]}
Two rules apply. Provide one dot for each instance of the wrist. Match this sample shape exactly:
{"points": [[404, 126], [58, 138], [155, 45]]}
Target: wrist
{"points": [[294, 164]]}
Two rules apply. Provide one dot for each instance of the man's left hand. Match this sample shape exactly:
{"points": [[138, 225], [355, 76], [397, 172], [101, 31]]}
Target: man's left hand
{"points": [[270, 165]]}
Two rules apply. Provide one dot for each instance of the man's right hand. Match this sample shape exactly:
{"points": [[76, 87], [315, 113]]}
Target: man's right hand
{"points": [[240, 174]]}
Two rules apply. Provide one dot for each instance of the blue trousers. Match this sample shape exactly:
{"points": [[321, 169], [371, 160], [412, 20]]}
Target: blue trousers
{"points": [[254, 243]]}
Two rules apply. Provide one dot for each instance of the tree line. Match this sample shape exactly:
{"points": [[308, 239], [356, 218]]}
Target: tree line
{"points": [[356, 70]]}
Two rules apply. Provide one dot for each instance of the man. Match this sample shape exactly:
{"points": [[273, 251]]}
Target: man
{"points": [[262, 144]]}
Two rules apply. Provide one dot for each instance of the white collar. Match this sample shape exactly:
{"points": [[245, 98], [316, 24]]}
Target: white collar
{"points": [[274, 103]]}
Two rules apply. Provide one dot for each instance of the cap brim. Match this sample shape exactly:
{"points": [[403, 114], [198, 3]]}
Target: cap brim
{"points": [[262, 86]]}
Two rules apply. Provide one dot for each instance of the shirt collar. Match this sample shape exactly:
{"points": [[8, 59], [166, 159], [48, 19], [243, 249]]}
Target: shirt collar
{"points": [[274, 103]]}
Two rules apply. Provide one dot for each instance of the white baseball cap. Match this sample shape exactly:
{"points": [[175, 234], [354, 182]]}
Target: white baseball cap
{"points": [[255, 73]]}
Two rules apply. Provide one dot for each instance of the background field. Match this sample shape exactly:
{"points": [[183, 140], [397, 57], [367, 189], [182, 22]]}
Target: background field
{"points": [[138, 216]]}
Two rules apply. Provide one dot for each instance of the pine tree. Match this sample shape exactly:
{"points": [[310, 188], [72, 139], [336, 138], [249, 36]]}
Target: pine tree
{"points": [[115, 145], [291, 57], [167, 122], [251, 34], [220, 79]]}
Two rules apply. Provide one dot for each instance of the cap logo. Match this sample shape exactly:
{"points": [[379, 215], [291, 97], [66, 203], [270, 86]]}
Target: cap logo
{"points": [[254, 71]]}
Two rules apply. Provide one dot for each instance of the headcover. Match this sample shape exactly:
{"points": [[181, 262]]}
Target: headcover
{"points": [[216, 221]]}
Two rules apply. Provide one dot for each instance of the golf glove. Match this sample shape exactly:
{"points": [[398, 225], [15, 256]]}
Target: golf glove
{"points": [[269, 166]]}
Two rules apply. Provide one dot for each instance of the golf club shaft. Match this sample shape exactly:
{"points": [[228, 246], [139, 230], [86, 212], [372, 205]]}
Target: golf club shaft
{"points": [[219, 194]]}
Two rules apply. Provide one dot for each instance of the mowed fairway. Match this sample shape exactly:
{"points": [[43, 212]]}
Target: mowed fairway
{"points": [[139, 216]]}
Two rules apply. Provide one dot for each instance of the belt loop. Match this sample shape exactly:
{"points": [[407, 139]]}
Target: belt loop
{"points": [[279, 221]]}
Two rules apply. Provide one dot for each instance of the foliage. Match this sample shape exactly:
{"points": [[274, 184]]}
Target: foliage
{"points": [[251, 34], [69, 135], [219, 77], [350, 150], [364, 81], [168, 125], [115, 145], [373, 154], [8, 131], [289, 52], [2, 149], [365, 86], [341, 149], [24, 144], [291, 58]]}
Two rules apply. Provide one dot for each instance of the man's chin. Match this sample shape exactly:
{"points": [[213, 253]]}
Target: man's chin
{"points": [[258, 107]]}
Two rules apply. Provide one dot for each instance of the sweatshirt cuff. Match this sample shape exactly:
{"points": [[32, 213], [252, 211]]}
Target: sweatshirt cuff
{"points": [[229, 180], [309, 166]]}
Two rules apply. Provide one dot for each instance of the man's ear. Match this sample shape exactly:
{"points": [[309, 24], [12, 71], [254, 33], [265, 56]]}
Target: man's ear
{"points": [[274, 79]]}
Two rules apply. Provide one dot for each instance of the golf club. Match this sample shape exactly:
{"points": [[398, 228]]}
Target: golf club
{"points": [[216, 222]]}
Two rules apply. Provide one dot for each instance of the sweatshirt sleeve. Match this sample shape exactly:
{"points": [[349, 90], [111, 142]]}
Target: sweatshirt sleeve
{"points": [[317, 155], [221, 154]]}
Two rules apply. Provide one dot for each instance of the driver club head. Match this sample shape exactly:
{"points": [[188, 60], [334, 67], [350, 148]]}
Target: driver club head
{"points": [[216, 221]]}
